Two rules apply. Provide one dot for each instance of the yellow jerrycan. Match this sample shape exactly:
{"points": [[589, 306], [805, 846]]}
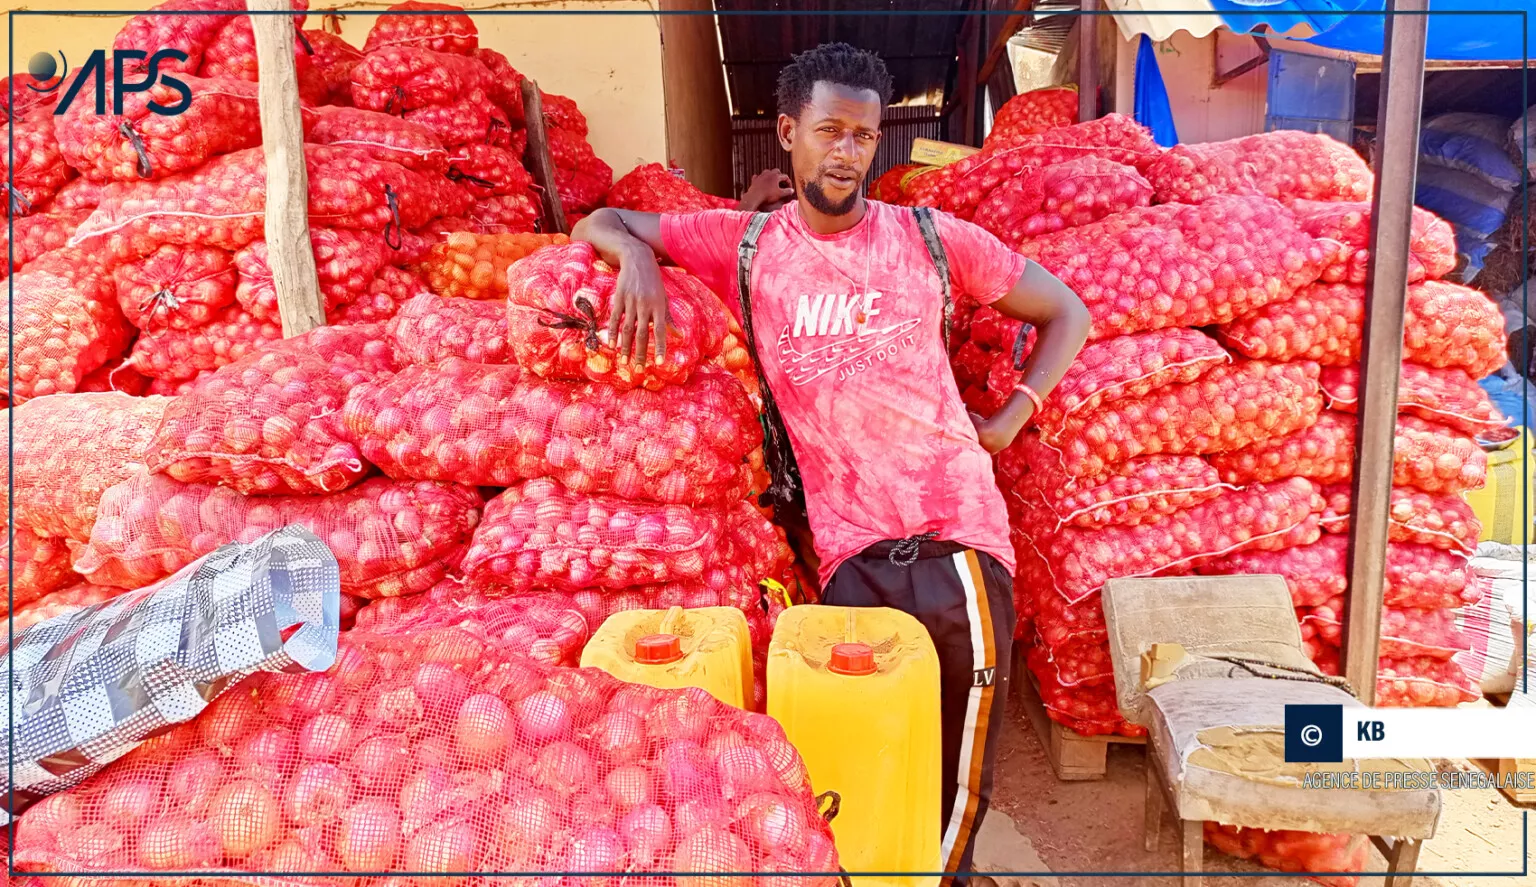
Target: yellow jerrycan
{"points": [[707, 647], [857, 692], [1505, 515]]}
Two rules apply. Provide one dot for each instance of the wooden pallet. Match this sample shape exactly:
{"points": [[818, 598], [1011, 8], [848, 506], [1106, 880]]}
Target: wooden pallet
{"points": [[1073, 756], [1505, 768]]}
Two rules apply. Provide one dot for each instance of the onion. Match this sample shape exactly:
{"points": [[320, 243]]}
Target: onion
{"points": [[742, 771], [527, 823], [131, 799], [772, 825], [228, 720], [378, 759], [48, 819], [317, 795], [368, 836], [543, 717], [595, 850], [593, 807], [95, 844], [442, 847], [713, 849], [697, 813], [685, 770], [192, 782], [484, 727], [630, 786], [619, 737], [325, 736], [646, 831], [440, 687], [682, 715], [563, 768], [245, 817], [177, 843]]}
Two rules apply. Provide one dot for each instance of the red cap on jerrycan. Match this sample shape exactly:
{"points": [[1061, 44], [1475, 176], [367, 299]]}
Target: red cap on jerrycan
{"points": [[658, 649], [852, 659]]}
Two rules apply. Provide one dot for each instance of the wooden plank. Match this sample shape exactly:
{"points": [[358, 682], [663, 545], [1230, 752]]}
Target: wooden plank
{"points": [[543, 164], [1073, 757], [999, 49], [930, 152], [1088, 62], [1505, 768], [1402, 91], [289, 253]]}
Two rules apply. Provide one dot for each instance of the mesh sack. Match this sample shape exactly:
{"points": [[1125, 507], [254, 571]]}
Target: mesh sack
{"points": [[652, 188], [1181, 266], [1131, 493], [570, 150], [101, 681], [1034, 112], [180, 355], [381, 136], [270, 422], [1446, 325], [1427, 578], [1231, 406], [78, 194], [496, 425], [471, 120], [34, 567], [1261, 515], [38, 234], [1295, 851], [66, 324], [232, 54], [487, 171], [1323, 451], [110, 377], [1436, 459], [67, 450], [1447, 396], [1078, 664], [396, 79], [347, 261], [547, 628], [191, 34], [978, 176], [36, 166], [1443, 521], [890, 187], [538, 534], [445, 751], [1284, 164], [1314, 573], [557, 315], [503, 214], [18, 97], [1416, 682], [930, 185], [1058, 622], [1127, 367], [1431, 246], [141, 143], [176, 287], [450, 31], [333, 60], [995, 331], [475, 265], [1405, 633], [391, 289], [429, 329], [1086, 710], [1117, 137], [1064, 195], [582, 191], [506, 85], [390, 538], [56, 603], [223, 202], [561, 113]]}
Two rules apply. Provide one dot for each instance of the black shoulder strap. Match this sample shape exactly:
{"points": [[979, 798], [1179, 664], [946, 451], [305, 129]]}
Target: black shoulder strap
{"points": [[936, 252]]}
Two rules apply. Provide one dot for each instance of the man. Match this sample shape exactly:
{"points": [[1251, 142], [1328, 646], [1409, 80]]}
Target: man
{"points": [[847, 317]]}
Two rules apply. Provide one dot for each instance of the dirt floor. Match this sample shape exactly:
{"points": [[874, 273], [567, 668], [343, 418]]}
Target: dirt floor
{"points": [[1069, 828]]}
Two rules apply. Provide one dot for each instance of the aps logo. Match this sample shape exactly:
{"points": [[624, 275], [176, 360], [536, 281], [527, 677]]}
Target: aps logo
{"points": [[52, 76]]}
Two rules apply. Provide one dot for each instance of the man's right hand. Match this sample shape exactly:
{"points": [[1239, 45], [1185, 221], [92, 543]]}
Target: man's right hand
{"points": [[639, 308]]}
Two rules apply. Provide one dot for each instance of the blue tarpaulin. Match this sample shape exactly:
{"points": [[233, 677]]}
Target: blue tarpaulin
{"points": [[1459, 30], [1152, 108]]}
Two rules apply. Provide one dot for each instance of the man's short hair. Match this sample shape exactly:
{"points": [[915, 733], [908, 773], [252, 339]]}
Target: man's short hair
{"points": [[836, 63]]}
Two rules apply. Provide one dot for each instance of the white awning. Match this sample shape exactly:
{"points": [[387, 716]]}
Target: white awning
{"points": [[1161, 19]]}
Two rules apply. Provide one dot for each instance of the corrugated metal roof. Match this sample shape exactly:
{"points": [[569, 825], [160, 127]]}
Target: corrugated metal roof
{"points": [[919, 49]]}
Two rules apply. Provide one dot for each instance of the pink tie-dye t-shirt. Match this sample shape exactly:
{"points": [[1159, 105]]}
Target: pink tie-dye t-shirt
{"points": [[848, 329]]}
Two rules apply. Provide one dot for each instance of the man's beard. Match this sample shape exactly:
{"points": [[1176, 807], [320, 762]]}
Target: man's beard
{"points": [[816, 197]]}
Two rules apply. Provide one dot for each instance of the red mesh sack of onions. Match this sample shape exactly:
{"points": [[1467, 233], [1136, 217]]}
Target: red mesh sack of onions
{"points": [[176, 287], [56, 603], [38, 234], [116, 377], [1064, 195], [1313, 573], [930, 185], [471, 120], [503, 214], [39, 169], [1058, 622], [486, 170], [570, 150], [538, 534], [69, 449], [347, 260], [1290, 851], [37, 566], [1034, 112], [547, 628], [446, 752], [1131, 493], [232, 53], [391, 289], [1182, 266], [1442, 521], [583, 190], [270, 422], [78, 194], [17, 99], [179, 355], [1404, 632], [1117, 137], [562, 113], [381, 136], [430, 328], [142, 143], [1127, 367], [1258, 516], [497, 425], [1284, 164], [333, 60], [1078, 663], [396, 79], [1446, 325], [1413, 682], [1231, 406], [1431, 246], [557, 315], [1090, 710], [66, 324], [1447, 396], [390, 538], [449, 30], [506, 85], [1427, 578], [191, 34], [1322, 451], [888, 188], [651, 188], [995, 331]]}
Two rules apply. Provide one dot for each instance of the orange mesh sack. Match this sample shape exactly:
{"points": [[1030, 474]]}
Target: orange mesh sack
{"points": [[390, 538], [429, 329], [1033, 112], [445, 751], [538, 534], [1446, 325], [449, 30], [35, 567], [176, 287], [381, 136], [1431, 247], [69, 449], [497, 425], [270, 423], [1447, 396], [1284, 164], [651, 188], [1439, 520], [475, 265], [1064, 195], [67, 324], [1182, 266], [557, 316]]}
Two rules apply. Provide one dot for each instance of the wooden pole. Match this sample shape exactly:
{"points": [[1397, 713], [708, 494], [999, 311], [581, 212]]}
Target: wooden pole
{"points": [[1397, 120], [1088, 62], [289, 253], [543, 164]]}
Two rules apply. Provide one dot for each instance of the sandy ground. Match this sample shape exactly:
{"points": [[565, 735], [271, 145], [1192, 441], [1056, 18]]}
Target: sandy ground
{"points": [[1067, 828]]}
